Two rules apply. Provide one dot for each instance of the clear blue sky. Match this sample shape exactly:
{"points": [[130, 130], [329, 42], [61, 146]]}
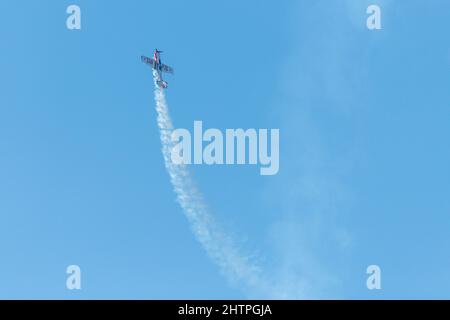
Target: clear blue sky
{"points": [[364, 166]]}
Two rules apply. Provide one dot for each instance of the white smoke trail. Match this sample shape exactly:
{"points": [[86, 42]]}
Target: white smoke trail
{"points": [[220, 247]]}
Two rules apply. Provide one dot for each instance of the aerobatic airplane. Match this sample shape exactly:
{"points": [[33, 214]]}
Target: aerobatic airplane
{"points": [[159, 67]]}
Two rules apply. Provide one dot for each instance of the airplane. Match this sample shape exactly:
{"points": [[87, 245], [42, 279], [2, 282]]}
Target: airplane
{"points": [[157, 65]]}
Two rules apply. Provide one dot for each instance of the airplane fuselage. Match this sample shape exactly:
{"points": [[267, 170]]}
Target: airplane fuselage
{"points": [[158, 68]]}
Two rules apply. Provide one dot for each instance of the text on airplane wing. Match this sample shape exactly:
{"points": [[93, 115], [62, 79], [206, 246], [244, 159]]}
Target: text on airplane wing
{"points": [[148, 60], [166, 68]]}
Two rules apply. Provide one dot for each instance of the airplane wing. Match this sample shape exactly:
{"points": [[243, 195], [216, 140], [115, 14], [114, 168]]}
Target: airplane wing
{"points": [[148, 60], [166, 68]]}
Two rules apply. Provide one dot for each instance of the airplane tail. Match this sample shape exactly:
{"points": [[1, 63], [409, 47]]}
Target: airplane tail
{"points": [[162, 84]]}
